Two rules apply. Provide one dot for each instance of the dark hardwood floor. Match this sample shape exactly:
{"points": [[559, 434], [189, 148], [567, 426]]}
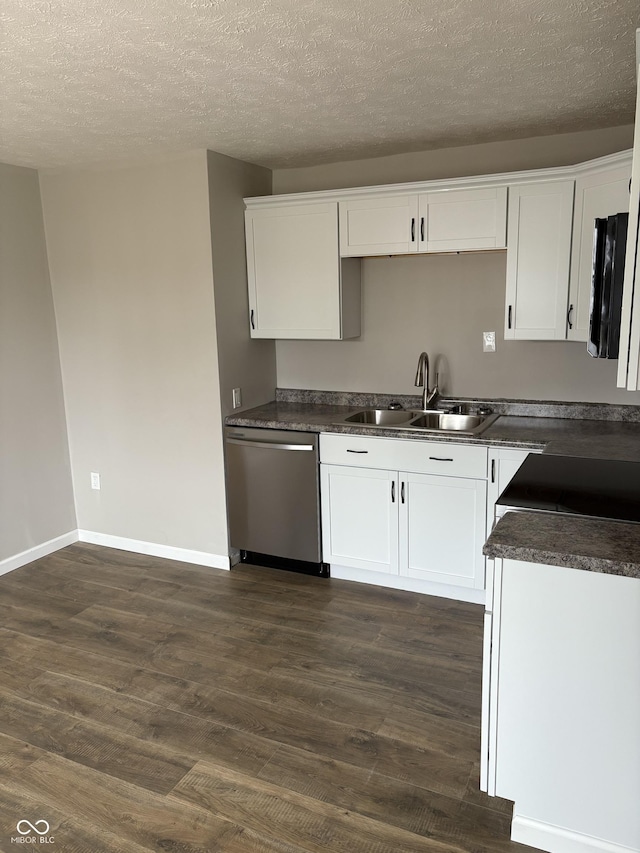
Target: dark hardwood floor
{"points": [[151, 705]]}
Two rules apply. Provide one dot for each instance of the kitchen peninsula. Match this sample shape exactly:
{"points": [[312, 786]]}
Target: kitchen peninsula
{"points": [[561, 680]]}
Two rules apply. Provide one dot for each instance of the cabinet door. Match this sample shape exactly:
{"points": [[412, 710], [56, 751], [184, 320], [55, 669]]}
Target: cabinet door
{"points": [[442, 529], [386, 225], [360, 518], [293, 271], [538, 251], [459, 220], [598, 194], [503, 465]]}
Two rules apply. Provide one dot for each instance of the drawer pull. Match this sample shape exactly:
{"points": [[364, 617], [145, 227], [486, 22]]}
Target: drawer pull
{"points": [[441, 458], [357, 451], [393, 491]]}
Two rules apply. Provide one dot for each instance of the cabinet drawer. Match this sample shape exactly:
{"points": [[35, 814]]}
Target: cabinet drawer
{"points": [[423, 457]]}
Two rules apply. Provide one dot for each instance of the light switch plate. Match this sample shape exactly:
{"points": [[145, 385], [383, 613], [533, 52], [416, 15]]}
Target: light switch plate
{"points": [[488, 342], [237, 398], [95, 480]]}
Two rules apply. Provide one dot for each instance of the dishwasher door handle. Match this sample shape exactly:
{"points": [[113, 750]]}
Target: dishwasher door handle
{"points": [[269, 445]]}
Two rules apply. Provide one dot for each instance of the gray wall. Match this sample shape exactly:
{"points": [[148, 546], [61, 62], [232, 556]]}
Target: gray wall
{"points": [[130, 260], [242, 362], [443, 303], [36, 499], [490, 157]]}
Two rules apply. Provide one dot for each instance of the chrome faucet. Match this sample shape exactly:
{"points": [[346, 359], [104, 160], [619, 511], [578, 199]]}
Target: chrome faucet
{"points": [[422, 378]]}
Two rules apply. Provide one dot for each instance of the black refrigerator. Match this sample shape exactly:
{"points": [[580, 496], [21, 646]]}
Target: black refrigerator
{"points": [[609, 246]]}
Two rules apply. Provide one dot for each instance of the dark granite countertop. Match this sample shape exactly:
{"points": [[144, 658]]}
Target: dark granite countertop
{"points": [[590, 544], [562, 436], [587, 430]]}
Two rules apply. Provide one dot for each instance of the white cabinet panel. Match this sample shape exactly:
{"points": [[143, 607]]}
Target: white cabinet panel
{"points": [[441, 221], [538, 252], [424, 457], [503, 465], [601, 193], [385, 225], [460, 220], [442, 527], [295, 278], [629, 360], [568, 702], [360, 518]]}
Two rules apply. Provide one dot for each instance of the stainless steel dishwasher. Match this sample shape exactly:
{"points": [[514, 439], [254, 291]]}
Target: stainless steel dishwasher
{"points": [[273, 493]]}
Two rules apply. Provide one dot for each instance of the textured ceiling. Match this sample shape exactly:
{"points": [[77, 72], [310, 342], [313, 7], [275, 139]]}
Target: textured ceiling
{"points": [[293, 82]]}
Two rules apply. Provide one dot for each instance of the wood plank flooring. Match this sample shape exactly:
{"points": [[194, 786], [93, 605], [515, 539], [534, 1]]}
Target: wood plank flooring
{"points": [[147, 704]]}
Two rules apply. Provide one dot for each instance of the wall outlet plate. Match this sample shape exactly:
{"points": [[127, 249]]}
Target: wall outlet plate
{"points": [[488, 342]]}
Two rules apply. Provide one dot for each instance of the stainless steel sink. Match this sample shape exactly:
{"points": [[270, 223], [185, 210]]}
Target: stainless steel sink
{"points": [[381, 417], [428, 421], [446, 421]]}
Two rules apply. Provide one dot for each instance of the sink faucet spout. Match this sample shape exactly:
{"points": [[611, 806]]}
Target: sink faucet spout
{"points": [[422, 379]]}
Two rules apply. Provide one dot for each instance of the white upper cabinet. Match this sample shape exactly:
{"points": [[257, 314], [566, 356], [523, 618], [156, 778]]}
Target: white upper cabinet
{"points": [[538, 253], [629, 360], [461, 220], [600, 193], [379, 225], [298, 287], [439, 221]]}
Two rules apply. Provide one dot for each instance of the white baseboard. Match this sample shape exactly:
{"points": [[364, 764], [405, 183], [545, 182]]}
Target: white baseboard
{"points": [[184, 555], [554, 839], [459, 593], [38, 551]]}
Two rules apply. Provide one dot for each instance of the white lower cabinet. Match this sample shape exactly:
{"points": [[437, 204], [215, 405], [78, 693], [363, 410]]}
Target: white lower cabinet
{"points": [[442, 529], [359, 518], [413, 530], [503, 464]]}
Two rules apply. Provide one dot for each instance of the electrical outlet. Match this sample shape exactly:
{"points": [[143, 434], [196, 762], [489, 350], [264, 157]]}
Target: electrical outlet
{"points": [[95, 480], [237, 398], [488, 342]]}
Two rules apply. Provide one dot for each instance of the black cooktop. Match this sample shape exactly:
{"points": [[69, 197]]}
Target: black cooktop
{"points": [[601, 488]]}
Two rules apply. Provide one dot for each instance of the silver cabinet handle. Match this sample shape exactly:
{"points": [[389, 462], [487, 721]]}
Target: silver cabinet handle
{"points": [[269, 445], [441, 458]]}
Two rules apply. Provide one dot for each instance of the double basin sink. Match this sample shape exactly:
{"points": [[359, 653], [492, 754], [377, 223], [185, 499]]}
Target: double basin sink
{"points": [[429, 421]]}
